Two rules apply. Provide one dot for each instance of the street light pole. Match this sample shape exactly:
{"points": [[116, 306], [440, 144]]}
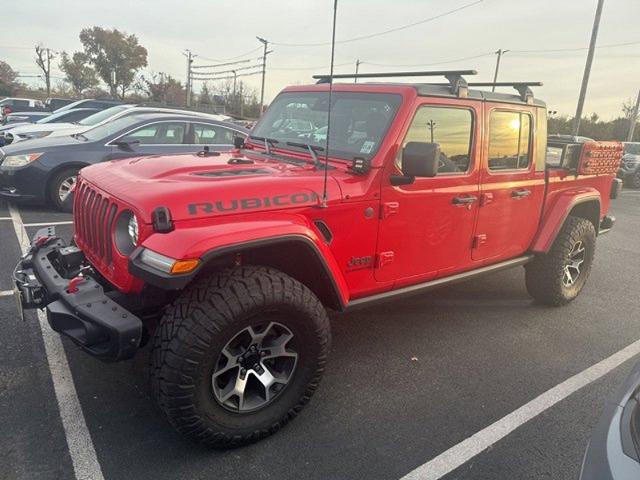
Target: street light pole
{"points": [[355, 79], [188, 82], [235, 77], [265, 43], [587, 68], [499, 53], [633, 119]]}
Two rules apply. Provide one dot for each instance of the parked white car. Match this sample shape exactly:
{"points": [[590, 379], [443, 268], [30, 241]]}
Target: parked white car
{"points": [[99, 118]]}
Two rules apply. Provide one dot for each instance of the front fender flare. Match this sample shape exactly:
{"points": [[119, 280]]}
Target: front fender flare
{"points": [[555, 216], [208, 241]]}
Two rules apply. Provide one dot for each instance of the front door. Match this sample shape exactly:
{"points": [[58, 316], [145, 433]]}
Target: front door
{"points": [[512, 190], [426, 227]]}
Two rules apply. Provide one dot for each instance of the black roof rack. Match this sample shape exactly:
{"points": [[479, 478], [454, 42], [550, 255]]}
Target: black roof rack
{"points": [[522, 87], [456, 82]]}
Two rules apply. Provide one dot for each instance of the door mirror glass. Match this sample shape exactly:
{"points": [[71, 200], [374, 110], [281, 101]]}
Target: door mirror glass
{"points": [[420, 159]]}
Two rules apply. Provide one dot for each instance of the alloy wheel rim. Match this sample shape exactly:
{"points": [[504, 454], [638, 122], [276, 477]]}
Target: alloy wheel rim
{"points": [[254, 367], [573, 266], [65, 187]]}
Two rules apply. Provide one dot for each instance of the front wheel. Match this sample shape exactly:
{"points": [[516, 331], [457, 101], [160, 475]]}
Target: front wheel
{"points": [[60, 188], [238, 355], [557, 277]]}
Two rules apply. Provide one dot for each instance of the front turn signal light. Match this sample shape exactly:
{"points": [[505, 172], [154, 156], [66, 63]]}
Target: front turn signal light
{"points": [[185, 266]]}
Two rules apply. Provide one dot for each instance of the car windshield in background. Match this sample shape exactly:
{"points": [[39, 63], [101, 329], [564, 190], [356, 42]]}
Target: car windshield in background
{"points": [[359, 121], [53, 118], [109, 128], [632, 148], [98, 117]]}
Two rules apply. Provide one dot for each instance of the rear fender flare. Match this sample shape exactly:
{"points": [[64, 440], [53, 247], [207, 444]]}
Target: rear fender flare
{"points": [[555, 216]]}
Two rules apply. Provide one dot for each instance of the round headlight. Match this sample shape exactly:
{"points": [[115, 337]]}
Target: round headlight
{"points": [[126, 232], [132, 228]]}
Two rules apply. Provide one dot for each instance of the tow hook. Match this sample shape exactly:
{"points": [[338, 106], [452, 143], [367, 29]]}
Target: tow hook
{"points": [[73, 284]]}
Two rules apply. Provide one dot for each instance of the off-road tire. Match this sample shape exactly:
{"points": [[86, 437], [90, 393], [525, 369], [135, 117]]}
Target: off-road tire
{"points": [[198, 325], [544, 275], [54, 187], [634, 180]]}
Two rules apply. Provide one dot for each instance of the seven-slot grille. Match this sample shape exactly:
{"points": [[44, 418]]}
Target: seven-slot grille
{"points": [[94, 216]]}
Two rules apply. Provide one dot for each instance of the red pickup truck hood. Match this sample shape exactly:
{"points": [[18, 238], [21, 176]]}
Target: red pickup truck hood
{"points": [[194, 186]]}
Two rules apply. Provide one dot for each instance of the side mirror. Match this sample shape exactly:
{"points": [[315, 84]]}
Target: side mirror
{"points": [[419, 159], [238, 141]]}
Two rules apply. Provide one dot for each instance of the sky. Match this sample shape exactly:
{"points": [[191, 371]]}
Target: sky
{"points": [[216, 30]]}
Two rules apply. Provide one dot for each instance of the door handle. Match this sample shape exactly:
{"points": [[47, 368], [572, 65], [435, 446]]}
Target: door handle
{"points": [[468, 200], [517, 194]]}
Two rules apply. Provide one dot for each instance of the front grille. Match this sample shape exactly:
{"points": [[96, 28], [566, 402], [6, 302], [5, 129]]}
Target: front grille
{"points": [[94, 215]]}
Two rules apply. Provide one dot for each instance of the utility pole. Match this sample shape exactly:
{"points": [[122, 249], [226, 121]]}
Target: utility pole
{"points": [[265, 43], [187, 53], [587, 68], [633, 119], [355, 79], [234, 100], [431, 125], [499, 53]]}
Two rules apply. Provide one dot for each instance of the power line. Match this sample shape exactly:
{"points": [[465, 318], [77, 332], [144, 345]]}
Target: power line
{"points": [[612, 45], [228, 77], [259, 65], [384, 32], [320, 67], [227, 64], [426, 64], [231, 58]]}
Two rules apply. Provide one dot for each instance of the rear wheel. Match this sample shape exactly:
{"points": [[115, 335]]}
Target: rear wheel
{"points": [[556, 278], [60, 188], [238, 355]]}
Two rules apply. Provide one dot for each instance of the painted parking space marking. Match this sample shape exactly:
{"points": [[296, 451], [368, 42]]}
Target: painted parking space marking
{"points": [[81, 448], [6, 293], [464, 451], [46, 224]]}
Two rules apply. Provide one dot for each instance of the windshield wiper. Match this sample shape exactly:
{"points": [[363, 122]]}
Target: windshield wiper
{"points": [[313, 149], [267, 142]]}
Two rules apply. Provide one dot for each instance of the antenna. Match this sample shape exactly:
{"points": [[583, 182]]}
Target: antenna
{"points": [[326, 150]]}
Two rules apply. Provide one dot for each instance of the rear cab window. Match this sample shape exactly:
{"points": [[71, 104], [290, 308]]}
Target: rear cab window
{"points": [[509, 141]]}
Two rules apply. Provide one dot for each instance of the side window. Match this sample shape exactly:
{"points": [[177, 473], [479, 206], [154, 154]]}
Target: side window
{"points": [[21, 103], [509, 141], [451, 128], [168, 133], [211, 135]]}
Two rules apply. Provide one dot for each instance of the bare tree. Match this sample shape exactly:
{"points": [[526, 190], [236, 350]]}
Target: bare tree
{"points": [[43, 60]]}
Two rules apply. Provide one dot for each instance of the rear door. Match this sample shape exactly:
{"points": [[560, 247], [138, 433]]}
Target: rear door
{"points": [[426, 227], [216, 137], [511, 188]]}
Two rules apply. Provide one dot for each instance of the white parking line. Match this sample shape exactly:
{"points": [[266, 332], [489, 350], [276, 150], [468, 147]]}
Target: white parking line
{"points": [[464, 451], [81, 449], [6, 218], [6, 293], [46, 224]]}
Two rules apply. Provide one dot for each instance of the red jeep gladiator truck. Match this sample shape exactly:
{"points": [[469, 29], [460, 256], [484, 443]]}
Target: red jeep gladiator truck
{"points": [[226, 263]]}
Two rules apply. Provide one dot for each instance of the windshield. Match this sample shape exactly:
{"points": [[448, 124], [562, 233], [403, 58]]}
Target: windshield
{"points": [[632, 148], [54, 117], [109, 128], [69, 106], [98, 117], [359, 121]]}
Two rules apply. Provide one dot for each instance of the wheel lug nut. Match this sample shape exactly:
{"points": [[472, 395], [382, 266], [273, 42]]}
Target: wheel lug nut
{"points": [[263, 353]]}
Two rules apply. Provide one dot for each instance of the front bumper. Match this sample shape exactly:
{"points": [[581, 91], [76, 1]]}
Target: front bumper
{"points": [[612, 453], [82, 312]]}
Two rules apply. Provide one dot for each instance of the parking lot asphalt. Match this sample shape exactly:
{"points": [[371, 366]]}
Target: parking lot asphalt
{"points": [[406, 381]]}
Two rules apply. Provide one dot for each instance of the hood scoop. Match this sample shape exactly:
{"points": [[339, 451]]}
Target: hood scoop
{"points": [[235, 173]]}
